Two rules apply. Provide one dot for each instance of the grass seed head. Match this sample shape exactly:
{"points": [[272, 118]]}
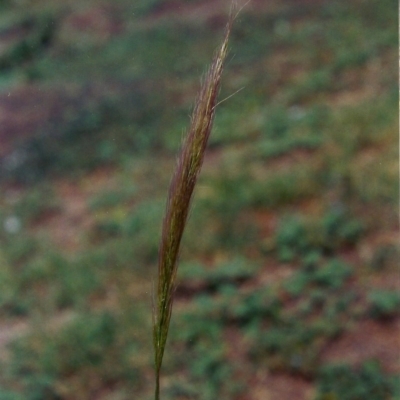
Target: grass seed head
{"points": [[180, 195]]}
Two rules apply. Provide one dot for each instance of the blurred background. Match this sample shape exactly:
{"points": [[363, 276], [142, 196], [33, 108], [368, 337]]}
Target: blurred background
{"points": [[289, 279]]}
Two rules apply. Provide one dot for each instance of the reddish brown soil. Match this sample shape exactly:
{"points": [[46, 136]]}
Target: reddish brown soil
{"points": [[368, 340], [266, 386]]}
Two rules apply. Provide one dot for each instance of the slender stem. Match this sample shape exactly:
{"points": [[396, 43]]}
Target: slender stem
{"points": [[157, 392]]}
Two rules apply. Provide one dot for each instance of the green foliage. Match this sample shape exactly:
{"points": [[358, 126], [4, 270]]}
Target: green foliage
{"points": [[384, 257], [297, 283], [142, 226], [272, 148], [292, 339], [110, 199], [49, 282], [212, 368], [231, 306], [82, 139], [16, 298], [286, 187], [289, 346], [205, 351], [345, 383], [89, 343], [232, 193], [317, 82], [219, 213], [73, 283], [330, 275], [135, 234], [143, 7], [287, 129], [36, 203], [182, 390], [248, 310], [291, 239], [20, 249], [333, 274], [339, 228], [384, 304], [7, 394], [356, 179], [39, 32], [279, 338], [251, 38], [296, 236], [233, 271]]}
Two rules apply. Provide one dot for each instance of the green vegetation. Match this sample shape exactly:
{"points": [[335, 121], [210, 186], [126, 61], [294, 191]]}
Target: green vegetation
{"points": [[384, 304], [237, 270], [87, 352], [39, 33], [297, 237], [366, 382], [291, 240]]}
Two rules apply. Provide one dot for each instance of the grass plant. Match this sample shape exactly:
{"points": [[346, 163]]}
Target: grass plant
{"points": [[347, 383], [180, 196]]}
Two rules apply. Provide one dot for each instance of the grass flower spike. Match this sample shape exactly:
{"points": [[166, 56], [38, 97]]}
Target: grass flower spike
{"points": [[179, 198]]}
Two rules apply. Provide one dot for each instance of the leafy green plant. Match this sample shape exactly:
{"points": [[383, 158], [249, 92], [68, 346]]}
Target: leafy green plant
{"points": [[8, 394], [36, 203], [292, 339], [384, 257], [291, 345], [384, 304], [90, 342], [17, 250], [291, 239], [211, 367], [296, 284], [119, 227], [285, 187], [49, 282], [110, 199], [233, 271], [205, 361], [249, 310], [40, 32], [269, 148], [144, 7], [338, 229], [230, 306], [342, 382], [333, 274], [209, 370], [297, 236]]}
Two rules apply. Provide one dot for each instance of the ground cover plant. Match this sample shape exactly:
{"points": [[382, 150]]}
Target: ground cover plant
{"points": [[289, 264]]}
